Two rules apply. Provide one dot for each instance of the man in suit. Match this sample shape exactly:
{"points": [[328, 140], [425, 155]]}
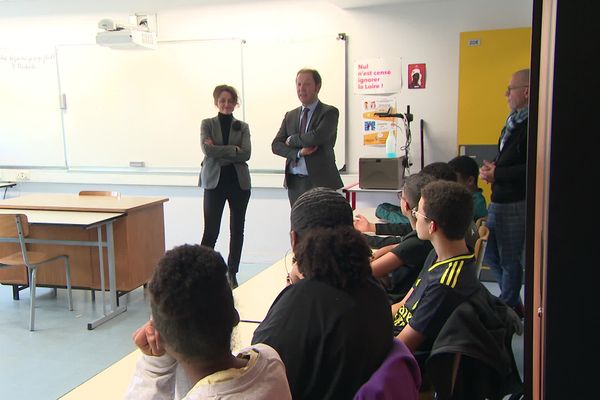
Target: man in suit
{"points": [[306, 139]]}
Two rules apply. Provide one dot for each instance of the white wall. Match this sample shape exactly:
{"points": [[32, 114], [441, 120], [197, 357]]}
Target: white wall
{"points": [[420, 32]]}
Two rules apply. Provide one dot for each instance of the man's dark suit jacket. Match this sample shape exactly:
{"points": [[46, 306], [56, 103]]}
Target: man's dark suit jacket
{"points": [[321, 132]]}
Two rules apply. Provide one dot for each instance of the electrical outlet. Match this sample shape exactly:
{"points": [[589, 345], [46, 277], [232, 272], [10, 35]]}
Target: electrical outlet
{"points": [[22, 176]]}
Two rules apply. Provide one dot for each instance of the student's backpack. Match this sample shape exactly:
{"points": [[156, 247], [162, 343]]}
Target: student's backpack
{"points": [[390, 213]]}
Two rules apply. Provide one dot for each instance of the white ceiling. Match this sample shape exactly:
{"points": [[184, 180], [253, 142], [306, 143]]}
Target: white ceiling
{"points": [[48, 7], [367, 3]]}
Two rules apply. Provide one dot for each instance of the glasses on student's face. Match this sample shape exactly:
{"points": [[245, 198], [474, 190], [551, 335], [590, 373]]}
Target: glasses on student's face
{"points": [[401, 195], [415, 212]]}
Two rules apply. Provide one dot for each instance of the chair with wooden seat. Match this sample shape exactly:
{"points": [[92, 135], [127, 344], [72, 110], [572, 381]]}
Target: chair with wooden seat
{"points": [[480, 222], [17, 226], [480, 245], [99, 193]]}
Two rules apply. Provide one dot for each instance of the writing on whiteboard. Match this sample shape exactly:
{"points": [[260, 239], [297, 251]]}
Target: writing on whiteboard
{"points": [[25, 62]]}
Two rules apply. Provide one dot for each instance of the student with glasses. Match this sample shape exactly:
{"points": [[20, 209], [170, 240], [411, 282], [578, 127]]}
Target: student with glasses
{"points": [[448, 276], [399, 267], [395, 231], [449, 312]]}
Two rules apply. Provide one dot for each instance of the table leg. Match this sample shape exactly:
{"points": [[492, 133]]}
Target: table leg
{"points": [[114, 310], [101, 261], [112, 279], [351, 198]]}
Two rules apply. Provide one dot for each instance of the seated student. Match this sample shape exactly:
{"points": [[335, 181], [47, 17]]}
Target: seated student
{"points": [[449, 275], [401, 265], [192, 320], [467, 173], [448, 310], [333, 327], [438, 169], [441, 170]]}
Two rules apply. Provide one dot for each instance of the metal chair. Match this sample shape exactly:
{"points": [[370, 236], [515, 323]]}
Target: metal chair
{"points": [[17, 226]]}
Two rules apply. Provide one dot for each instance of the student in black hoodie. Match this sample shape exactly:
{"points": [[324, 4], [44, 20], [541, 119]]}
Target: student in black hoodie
{"points": [[332, 328]]}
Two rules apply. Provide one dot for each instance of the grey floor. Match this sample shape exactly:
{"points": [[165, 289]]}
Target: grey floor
{"points": [[61, 353]]}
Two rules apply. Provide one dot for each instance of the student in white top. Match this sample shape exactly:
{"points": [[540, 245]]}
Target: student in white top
{"points": [[192, 319]]}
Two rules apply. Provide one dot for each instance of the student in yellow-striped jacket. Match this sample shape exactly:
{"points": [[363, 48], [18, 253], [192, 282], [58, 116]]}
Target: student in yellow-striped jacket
{"points": [[448, 277]]}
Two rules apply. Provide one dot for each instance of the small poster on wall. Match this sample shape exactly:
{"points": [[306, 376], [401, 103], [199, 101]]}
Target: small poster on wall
{"points": [[378, 75], [375, 128], [416, 76]]}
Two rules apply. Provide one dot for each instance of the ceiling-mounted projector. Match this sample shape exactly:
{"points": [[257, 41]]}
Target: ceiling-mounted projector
{"points": [[126, 37]]}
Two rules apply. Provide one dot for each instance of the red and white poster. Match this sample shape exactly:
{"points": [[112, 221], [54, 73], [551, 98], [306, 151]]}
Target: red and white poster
{"points": [[416, 76]]}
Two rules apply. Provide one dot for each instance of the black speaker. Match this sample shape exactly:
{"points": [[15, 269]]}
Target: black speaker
{"points": [[381, 173]]}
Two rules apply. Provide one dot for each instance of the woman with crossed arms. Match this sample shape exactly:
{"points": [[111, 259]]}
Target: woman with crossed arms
{"points": [[225, 176]]}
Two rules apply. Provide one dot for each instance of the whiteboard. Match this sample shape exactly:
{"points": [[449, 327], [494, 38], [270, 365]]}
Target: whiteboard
{"points": [[30, 117], [142, 105], [123, 106]]}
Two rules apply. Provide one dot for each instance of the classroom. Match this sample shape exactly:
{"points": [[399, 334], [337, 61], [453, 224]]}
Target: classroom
{"points": [[373, 31], [415, 31]]}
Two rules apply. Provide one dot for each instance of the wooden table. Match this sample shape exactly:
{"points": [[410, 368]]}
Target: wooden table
{"points": [[112, 382], [254, 298], [352, 189], [129, 230]]}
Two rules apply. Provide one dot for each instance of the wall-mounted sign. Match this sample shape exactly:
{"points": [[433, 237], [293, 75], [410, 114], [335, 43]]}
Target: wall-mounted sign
{"points": [[377, 75]]}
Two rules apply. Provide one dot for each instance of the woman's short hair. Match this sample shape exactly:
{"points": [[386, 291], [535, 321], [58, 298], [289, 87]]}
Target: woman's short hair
{"points": [[191, 301], [225, 88]]}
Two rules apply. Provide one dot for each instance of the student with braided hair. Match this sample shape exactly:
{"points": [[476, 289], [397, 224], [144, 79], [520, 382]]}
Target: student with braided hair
{"points": [[332, 328]]}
